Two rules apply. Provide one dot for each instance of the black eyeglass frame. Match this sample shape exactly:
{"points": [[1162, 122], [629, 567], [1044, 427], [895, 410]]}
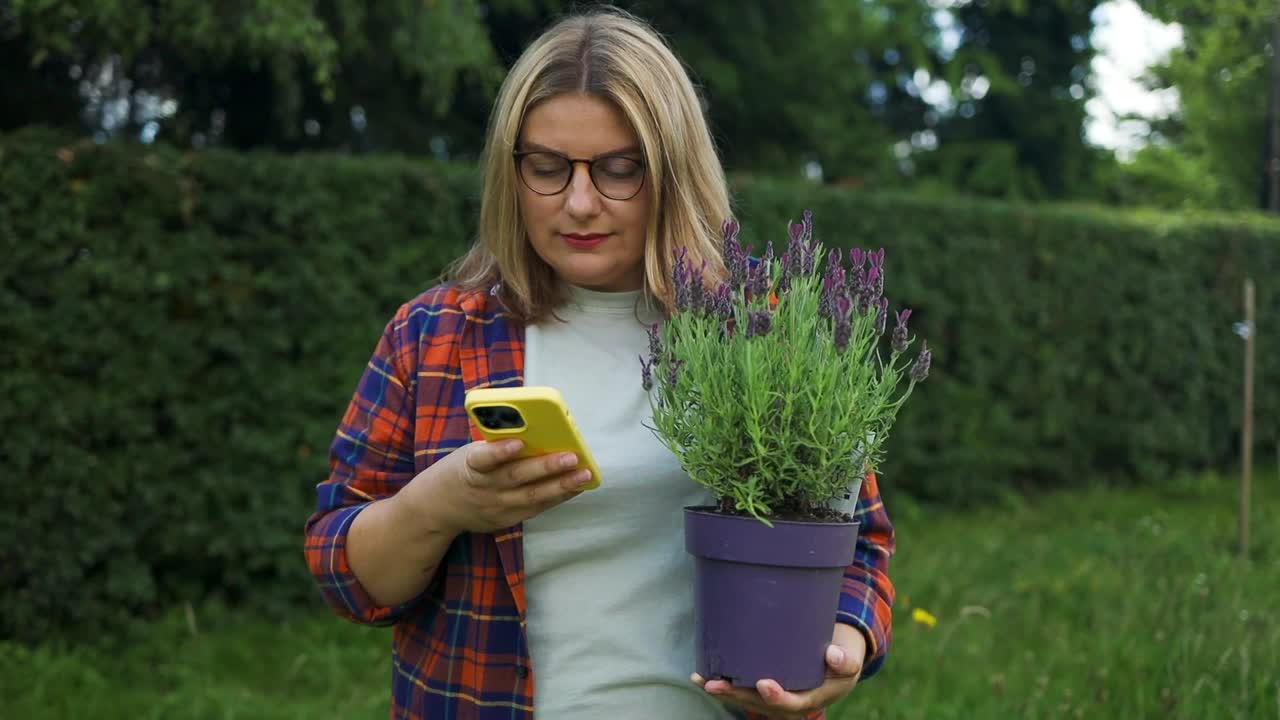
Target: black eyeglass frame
{"points": [[519, 155]]}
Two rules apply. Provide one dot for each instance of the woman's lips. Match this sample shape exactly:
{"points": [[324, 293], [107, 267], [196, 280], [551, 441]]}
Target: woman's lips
{"points": [[581, 240]]}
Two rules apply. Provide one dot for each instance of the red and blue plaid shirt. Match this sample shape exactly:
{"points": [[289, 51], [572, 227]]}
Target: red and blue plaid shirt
{"points": [[459, 648]]}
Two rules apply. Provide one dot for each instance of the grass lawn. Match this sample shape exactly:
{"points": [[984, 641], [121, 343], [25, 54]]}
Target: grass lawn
{"points": [[1101, 603]]}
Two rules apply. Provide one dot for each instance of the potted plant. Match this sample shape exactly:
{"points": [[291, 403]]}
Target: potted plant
{"points": [[771, 388]]}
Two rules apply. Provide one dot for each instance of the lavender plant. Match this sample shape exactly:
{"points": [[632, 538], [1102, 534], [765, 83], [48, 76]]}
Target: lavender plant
{"points": [[770, 386]]}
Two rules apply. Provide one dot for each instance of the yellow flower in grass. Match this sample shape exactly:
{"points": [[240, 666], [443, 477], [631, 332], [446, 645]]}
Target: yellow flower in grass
{"points": [[923, 617]]}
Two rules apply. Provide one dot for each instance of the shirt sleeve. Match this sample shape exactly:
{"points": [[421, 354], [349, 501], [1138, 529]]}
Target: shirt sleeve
{"points": [[371, 457], [866, 598]]}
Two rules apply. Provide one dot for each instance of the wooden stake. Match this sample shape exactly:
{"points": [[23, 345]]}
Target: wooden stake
{"points": [[1246, 435]]}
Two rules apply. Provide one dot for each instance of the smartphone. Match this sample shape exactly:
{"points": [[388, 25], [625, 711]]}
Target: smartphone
{"points": [[537, 416]]}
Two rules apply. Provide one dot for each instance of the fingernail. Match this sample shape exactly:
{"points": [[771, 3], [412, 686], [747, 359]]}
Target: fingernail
{"points": [[568, 460], [581, 478], [835, 655], [512, 447]]}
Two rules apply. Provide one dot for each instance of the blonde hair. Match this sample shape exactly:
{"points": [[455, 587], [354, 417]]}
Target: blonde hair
{"points": [[613, 55]]}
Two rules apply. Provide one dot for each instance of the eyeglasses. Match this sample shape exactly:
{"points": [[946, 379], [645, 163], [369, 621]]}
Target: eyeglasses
{"points": [[617, 177]]}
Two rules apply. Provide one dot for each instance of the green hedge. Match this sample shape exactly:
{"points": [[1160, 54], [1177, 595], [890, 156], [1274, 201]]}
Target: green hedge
{"points": [[181, 332], [1072, 344]]}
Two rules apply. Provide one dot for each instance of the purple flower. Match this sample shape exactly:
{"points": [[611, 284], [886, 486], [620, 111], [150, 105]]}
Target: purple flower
{"points": [[899, 340], [735, 258], [722, 301], [673, 371], [697, 289], [655, 343], [797, 233], [882, 315], [854, 282], [758, 281], [728, 228], [855, 259], [680, 276], [843, 306], [811, 255], [920, 368], [646, 374], [784, 277], [877, 259], [864, 297], [826, 303], [833, 285], [796, 258], [833, 260], [759, 322], [803, 249], [844, 328]]}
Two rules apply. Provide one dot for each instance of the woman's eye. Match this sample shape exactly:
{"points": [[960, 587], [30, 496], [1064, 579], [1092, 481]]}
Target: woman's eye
{"points": [[620, 167]]}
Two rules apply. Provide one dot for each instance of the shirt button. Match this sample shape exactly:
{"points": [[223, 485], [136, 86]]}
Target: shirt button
{"points": [[522, 672]]}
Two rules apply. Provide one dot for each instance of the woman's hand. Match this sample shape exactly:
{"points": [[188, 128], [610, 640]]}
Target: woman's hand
{"points": [[484, 487], [845, 655]]}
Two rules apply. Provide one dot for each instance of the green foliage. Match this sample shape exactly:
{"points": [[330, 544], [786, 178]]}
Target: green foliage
{"points": [[1167, 176], [826, 86], [421, 77], [183, 330], [1222, 80], [1023, 139], [770, 407], [254, 73], [803, 71], [182, 335]]}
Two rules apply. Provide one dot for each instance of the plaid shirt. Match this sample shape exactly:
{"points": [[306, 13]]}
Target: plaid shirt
{"points": [[459, 648]]}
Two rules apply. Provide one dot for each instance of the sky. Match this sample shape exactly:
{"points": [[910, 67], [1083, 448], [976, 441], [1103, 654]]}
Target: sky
{"points": [[1127, 41]]}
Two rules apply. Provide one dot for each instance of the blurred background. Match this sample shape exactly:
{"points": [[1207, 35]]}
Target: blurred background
{"points": [[209, 210]]}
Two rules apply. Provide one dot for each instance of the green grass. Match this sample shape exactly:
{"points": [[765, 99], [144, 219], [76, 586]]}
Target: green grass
{"points": [[1103, 603]]}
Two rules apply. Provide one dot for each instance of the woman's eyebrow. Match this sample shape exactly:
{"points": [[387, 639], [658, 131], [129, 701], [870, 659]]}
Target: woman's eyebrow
{"points": [[628, 150]]}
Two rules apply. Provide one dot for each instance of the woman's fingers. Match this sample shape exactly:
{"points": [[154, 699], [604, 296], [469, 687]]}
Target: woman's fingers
{"points": [[483, 458], [528, 470], [496, 466], [548, 492]]}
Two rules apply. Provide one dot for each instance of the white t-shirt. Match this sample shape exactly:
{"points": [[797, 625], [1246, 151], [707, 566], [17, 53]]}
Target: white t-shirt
{"points": [[608, 583]]}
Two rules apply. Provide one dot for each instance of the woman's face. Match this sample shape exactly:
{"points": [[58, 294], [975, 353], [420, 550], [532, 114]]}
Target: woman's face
{"points": [[588, 238]]}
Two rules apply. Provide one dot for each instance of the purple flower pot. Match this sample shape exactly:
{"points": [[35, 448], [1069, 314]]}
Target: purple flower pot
{"points": [[765, 598]]}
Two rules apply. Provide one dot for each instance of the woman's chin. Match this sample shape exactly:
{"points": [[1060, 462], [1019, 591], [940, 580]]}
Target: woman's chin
{"points": [[593, 274]]}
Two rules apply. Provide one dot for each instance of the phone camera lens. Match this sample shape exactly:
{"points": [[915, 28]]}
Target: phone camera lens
{"points": [[499, 418]]}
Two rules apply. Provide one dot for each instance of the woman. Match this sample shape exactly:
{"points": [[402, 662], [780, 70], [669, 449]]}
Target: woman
{"points": [[497, 572]]}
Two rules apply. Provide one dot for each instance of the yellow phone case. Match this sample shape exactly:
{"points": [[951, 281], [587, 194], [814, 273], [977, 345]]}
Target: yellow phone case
{"points": [[545, 423]]}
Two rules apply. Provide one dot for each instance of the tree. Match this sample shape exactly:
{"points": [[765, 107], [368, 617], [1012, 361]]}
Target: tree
{"points": [[1022, 71], [786, 83], [867, 93], [281, 73], [1223, 82]]}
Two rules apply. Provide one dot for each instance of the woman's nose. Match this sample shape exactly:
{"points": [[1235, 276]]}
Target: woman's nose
{"points": [[582, 198]]}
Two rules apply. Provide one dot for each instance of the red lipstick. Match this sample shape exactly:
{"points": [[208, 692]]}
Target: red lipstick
{"points": [[584, 240]]}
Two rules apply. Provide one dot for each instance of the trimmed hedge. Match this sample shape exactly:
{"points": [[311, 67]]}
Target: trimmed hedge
{"points": [[183, 330], [1071, 344]]}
